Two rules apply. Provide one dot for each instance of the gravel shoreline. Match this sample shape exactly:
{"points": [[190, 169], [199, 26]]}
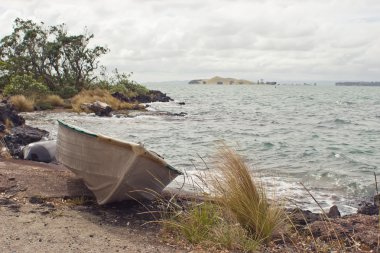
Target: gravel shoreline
{"points": [[45, 208]]}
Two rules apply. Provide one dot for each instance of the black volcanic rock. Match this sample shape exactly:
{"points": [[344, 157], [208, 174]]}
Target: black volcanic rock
{"points": [[99, 108], [8, 113], [151, 96], [121, 97], [22, 135], [158, 96]]}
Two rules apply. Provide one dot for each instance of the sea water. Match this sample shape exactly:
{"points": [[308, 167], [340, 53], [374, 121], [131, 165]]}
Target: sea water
{"points": [[326, 137]]}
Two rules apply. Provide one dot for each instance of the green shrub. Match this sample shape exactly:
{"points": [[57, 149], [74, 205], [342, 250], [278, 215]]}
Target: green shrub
{"points": [[135, 87], [25, 85], [44, 105], [118, 88], [54, 100], [67, 92], [131, 86]]}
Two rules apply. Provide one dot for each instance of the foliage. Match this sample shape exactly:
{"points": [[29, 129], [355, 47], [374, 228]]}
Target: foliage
{"points": [[234, 214], [43, 105], [67, 92], [101, 95], [207, 224], [49, 102], [198, 222], [25, 85], [118, 88], [36, 60], [50, 54], [245, 198], [54, 100], [21, 103], [131, 86], [121, 82]]}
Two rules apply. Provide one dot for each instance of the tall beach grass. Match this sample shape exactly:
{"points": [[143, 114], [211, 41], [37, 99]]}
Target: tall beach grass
{"points": [[245, 196], [235, 213], [21, 103]]}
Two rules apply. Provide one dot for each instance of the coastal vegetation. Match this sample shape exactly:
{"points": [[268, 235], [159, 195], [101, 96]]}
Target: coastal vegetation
{"points": [[38, 61], [21, 103], [235, 212], [97, 94]]}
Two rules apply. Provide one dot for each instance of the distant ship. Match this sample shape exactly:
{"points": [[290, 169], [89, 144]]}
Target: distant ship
{"points": [[357, 84]]}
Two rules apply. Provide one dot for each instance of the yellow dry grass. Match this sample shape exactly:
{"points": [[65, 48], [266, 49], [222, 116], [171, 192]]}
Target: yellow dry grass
{"points": [[235, 215], [21, 103], [90, 96], [245, 197], [54, 100]]}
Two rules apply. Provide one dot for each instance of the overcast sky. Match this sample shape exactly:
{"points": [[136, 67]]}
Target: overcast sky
{"points": [[275, 40]]}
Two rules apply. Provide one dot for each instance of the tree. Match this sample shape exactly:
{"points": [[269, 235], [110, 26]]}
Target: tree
{"points": [[49, 55], [25, 85]]}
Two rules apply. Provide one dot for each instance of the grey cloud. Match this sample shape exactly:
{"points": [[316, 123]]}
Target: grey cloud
{"points": [[178, 39]]}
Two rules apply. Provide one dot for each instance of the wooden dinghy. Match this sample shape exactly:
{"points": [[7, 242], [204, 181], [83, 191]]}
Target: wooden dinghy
{"points": [[113, 170]]}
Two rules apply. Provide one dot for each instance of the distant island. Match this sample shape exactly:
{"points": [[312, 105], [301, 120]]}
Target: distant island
{"points": [[357, 84], [221, 81]]}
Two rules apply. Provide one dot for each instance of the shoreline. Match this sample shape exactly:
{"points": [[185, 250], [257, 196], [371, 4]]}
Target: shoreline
{"points": [[55, 210]]}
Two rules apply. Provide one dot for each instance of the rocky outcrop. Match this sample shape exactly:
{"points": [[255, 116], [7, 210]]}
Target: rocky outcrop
{"points": [[99, 108], [9, 115], [158, 96], [17, 134], [121, 97], [303, 217], [151, 96], [22, 135]]}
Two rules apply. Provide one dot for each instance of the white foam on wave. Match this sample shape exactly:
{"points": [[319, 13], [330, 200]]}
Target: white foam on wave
{"points": [[292, 192]]}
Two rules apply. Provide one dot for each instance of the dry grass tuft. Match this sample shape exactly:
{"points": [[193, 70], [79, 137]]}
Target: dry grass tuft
{"points": [[21, 103], [207, 225], [245, 197], [234, 215], [54, 100], [90, 96]]}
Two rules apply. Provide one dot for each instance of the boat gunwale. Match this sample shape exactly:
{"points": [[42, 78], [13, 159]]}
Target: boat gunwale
{"points": [[124, 144]]}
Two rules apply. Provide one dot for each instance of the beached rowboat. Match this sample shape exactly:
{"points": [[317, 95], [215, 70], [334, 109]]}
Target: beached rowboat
{"points": [[113, 170]]}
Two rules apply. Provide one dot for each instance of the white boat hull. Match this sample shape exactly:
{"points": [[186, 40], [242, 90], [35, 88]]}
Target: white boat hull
{"points": [[113, 170]]}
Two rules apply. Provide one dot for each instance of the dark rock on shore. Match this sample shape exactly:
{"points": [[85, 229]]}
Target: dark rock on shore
{"points": [[359, 228], [8, 113], [334, 212], [368, 208], [22, 135], [376, 200], [99, 108], [303, 217], [121, 97], [151, 96], [158, 96]]}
